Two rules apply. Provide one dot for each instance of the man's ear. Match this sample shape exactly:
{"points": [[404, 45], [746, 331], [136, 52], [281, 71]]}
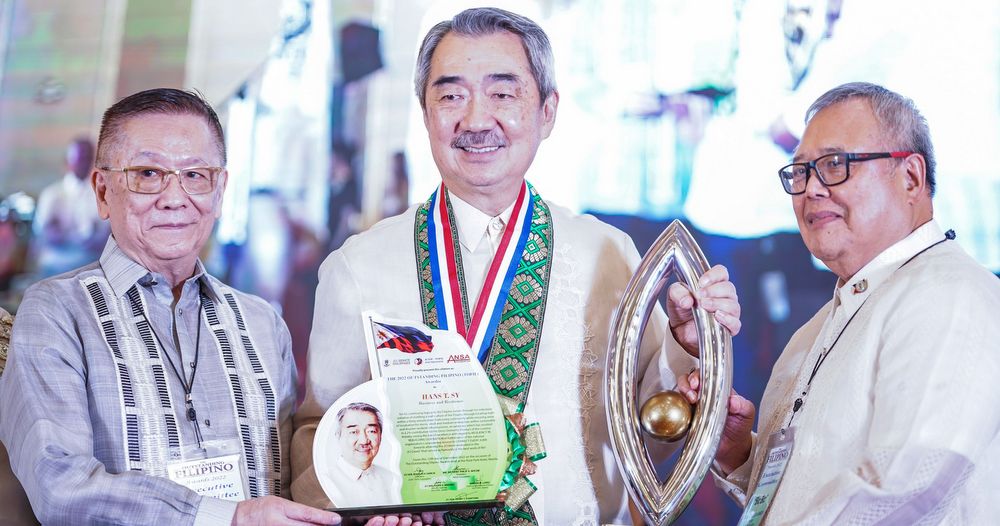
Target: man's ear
{"points": [[99, 182], [223, 181], [915, 177], [549, 108]]}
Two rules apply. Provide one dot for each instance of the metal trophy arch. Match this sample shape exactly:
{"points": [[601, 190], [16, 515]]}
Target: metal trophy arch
{"points": [[662, 502]]}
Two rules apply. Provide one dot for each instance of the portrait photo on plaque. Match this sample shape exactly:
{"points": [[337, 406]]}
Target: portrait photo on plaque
{"points": [[358, 465]]}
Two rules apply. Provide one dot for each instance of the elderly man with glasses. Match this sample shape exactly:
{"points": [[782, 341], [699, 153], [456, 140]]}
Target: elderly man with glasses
{"points": [[139, 389], [882, 408]]}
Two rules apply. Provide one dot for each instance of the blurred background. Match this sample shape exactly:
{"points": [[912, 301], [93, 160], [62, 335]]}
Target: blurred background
{"points": [[669, 109]]}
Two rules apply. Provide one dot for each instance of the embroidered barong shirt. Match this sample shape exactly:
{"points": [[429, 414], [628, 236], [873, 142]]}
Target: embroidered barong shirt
{"points": [[578, 482], [900, 425], [62, 415]]}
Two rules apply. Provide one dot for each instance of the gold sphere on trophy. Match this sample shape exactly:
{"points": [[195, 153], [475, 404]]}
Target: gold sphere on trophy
{"points": [[666, 416]]}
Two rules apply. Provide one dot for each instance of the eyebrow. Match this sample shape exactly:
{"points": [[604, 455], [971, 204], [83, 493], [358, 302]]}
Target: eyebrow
{"points": [[503, 77], [447, 79], [823, 151]]}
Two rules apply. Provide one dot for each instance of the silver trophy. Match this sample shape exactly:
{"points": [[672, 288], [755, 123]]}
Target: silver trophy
{"points": [[662, 502]]}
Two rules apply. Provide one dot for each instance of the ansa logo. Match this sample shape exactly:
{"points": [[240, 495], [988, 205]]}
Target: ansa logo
{"points": [[458, 358]]}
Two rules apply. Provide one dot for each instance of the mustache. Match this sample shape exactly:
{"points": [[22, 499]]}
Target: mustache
{"points": [[480, 139]]}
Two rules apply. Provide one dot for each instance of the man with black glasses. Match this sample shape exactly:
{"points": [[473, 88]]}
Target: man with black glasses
{"points": [[139, 389], [882, 408]]}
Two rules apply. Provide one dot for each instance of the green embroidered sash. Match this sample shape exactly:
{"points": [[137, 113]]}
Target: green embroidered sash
{"points": [[511, 358]]}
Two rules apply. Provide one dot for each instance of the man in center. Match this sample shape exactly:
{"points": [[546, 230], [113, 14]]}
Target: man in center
{"points": [[530, 285]]}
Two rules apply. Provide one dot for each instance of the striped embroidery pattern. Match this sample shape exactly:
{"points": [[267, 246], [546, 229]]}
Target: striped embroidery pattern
{"points": [[143, 388], [254, 400]]}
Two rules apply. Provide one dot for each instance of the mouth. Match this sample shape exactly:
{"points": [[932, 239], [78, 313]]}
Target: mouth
{"points": [[171, 227], [821, 218], [480, 142], [480, 149]]}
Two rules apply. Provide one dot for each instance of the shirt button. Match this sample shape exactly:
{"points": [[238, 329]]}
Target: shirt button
{"points": [[208, 423]]}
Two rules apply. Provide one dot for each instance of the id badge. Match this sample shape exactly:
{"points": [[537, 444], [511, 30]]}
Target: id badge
{"points": [[214, 470], [779, 450]]}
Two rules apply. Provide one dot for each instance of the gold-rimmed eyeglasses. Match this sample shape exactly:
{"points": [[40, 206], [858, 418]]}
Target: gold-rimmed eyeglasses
{"points": [[154, 179]]}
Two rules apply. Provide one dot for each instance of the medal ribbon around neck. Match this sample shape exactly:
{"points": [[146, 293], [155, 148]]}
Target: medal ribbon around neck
{"points": [[450, 294], [514, 299]]}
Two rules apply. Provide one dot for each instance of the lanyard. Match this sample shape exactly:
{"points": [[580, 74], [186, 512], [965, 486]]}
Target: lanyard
{"points": [[186, 384], [950, 234]]}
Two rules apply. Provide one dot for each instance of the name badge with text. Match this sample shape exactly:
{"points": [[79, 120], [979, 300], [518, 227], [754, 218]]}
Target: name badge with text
{"points": [[219, 477], [779, 450]]}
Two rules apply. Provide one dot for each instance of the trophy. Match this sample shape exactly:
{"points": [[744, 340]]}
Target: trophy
{"points": [[663, 415]]}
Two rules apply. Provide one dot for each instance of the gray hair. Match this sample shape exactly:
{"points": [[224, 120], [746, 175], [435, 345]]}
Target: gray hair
{"points": [[487, 21], [162, 101], [897, 115], [358, 406]]}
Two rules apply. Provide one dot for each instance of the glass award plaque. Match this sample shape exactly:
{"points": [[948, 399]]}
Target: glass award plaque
{"points": [[426, 433]]}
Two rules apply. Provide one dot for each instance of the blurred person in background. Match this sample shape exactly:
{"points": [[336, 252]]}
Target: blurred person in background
{"points": [[344, 204], [68, 232], [397, 192]]}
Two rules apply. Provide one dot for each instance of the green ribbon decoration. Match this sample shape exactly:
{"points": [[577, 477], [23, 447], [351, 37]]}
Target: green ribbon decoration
{"points": [[517, 450], [527, 444]]}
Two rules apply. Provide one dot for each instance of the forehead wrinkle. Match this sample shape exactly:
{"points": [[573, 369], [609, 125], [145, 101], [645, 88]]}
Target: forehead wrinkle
{"points": [[187, 162]]}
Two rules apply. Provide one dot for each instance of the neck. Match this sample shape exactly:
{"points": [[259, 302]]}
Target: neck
{"points": [[175, 273], [845, 270], [489, 200]]}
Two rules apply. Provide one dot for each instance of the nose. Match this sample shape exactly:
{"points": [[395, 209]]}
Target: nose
{"points": [[814, 187], [478, 114], [172, 196]]}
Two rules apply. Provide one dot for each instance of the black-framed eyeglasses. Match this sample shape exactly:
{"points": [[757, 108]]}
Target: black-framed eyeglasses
{"points": [[153, 179], [831, 169]]}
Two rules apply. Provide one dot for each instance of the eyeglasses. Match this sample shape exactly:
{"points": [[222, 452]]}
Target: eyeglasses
{"points": [[831, 169], [153, 179]]}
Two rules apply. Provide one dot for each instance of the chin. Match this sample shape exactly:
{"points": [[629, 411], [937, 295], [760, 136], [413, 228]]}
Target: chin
{"points": [[175, 252], [823, 252]]}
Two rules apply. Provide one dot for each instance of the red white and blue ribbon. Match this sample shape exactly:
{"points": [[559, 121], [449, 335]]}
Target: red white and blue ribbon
{"points": [[478, 327]]}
